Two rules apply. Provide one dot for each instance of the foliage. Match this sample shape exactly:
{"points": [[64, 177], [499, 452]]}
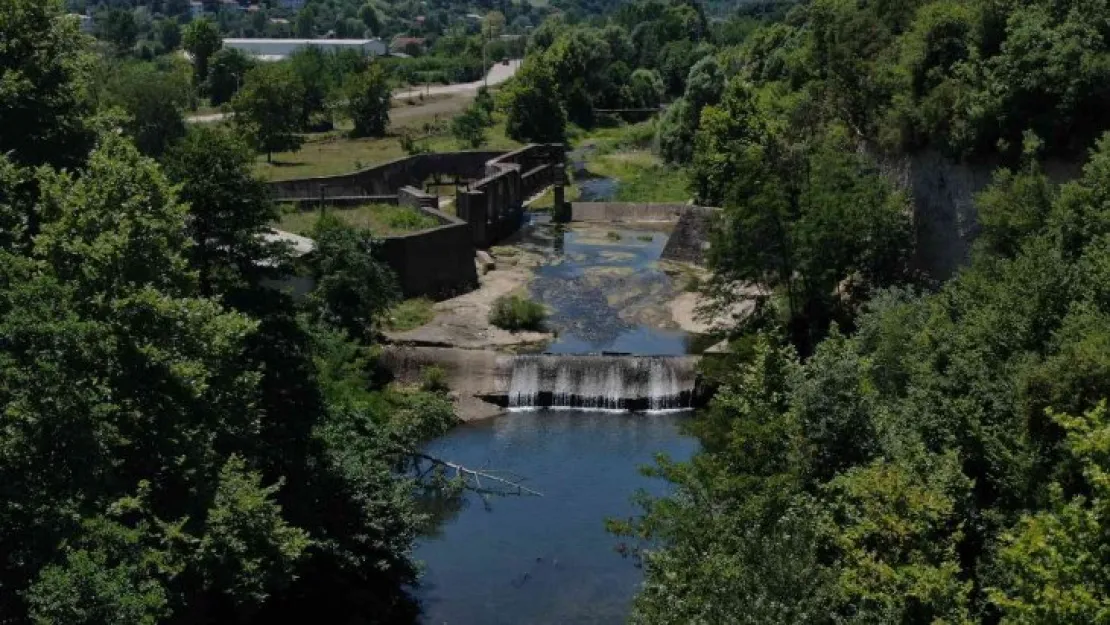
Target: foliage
{"points": [[923, 465], [42, 86], [226, 71], [201, 39], [515, 313], [368, 101], [229, 209], [353, 289], [169, 426], [267, 109], [532, 106], [154, 100], [469, 128]]}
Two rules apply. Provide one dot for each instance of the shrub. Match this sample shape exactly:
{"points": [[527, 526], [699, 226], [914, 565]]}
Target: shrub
{"points": [[515, 313], [433, 379], [410, 220]]}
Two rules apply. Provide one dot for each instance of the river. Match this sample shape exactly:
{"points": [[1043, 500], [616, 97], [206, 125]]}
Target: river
{"points": [[548, 559]]}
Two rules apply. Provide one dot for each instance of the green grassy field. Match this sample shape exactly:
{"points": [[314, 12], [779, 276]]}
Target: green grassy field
{"points": [[642, 175], [332, 153], [382, 220]]}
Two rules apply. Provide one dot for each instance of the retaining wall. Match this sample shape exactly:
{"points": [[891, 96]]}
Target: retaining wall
{"points": [[689, 241], [494, 205], [386, 178], [437, 262]]}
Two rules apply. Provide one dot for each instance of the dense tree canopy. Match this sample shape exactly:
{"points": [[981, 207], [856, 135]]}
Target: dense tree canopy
{"points": [[180, 444], [884, 448]]}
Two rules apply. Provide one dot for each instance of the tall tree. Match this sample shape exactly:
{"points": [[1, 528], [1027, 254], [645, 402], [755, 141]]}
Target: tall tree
{"points": [[201, 40], [44, 104], [229, 209], [369, 99], [533, 108], [268, 108]]}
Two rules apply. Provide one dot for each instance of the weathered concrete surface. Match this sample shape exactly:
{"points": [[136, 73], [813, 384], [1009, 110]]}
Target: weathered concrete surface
{"points": [[471, 374], [463, 321], [689, 241]]}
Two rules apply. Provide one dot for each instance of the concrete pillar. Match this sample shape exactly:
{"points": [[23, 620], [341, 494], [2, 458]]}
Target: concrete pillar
{"points": [[561, 213]]}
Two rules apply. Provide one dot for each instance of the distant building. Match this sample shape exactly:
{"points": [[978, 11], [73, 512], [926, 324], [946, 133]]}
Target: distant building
{"points": [[277, 49], [292, 5], [196, 9]]}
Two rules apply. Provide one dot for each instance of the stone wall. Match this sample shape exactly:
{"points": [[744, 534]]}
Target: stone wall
{"points": [[629, 212]]}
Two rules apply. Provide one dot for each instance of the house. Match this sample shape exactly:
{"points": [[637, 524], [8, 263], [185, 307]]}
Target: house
{"points": [[292, 5], [277, 49]]}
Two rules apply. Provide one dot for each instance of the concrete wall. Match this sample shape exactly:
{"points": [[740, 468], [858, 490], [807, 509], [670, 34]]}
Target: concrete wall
{"points": [[689, 241], [437, 262], [627, 212], [494, 205], [387, 178]]}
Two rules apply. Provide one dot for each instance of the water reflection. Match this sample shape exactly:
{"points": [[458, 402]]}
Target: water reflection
{"points": [[545, 559]]}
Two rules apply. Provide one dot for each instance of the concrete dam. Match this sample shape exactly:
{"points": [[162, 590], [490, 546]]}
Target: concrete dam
{"points": [[600, 383]]}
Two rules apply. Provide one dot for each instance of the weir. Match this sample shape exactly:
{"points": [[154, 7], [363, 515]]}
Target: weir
{"points": [[624, 383]]}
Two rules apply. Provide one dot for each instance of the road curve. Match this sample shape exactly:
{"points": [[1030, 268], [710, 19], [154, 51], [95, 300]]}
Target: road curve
{"points": [[497, 74]]}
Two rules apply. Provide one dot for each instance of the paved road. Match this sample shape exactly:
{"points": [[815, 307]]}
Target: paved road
{"points": [[497, 74]]}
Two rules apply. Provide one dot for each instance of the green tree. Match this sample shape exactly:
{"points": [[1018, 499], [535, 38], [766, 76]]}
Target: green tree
{"points": [[268, 108], [646, 88], [353, 289], [118, 27], [369, 98], [369, 16], [306, 22], [44, 89], [201, 40], [469, 129], [169, 34], [227, 70], [1051, 567], [229, 209], [533, 109], [155, 101]]}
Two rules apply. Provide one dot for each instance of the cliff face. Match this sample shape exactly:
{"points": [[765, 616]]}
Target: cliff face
{"points": [[943, 192]]}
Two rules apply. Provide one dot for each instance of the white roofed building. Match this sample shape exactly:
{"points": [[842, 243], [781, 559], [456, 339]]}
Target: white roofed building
{"points": [[277, 49]]}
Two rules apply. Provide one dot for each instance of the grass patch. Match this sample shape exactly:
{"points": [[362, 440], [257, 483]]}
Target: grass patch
{"points": [[382, 220], [410, 314], [643, 177], [613, 236], [515, 313], [333, 153], [433, 379], [646, 238]]}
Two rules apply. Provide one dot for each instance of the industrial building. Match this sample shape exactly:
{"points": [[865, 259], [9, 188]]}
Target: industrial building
{"points": [[278, 49]]}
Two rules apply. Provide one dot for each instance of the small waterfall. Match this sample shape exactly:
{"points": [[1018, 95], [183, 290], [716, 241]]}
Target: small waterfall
{"points": [[608, 383]]}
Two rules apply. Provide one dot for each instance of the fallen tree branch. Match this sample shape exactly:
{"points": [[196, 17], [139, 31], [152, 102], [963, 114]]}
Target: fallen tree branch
{"points": [[468, 475]]}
